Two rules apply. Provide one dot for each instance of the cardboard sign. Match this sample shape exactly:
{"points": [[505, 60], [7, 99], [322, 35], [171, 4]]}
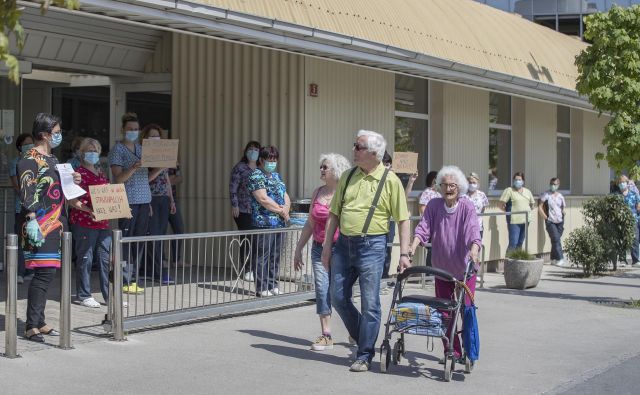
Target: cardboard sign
{"points": [[405, 162], [160, 153], [109, 201]]}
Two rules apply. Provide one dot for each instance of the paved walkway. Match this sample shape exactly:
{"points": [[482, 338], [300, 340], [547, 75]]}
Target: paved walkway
{"points": [[546, 340]]}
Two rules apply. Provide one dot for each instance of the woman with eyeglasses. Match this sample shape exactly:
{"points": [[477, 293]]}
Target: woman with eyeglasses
{"points": [[241, 199], [270, 205], [92, 238], [331, 168], [451, 223], [42, 219]]}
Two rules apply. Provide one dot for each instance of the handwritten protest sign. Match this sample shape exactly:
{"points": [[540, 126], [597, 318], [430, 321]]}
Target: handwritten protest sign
{"points": [[109, 201], [160, 153], [405, 162]]}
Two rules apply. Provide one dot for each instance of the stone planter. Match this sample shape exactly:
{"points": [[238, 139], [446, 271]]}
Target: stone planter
{"points": [[522, 274]]}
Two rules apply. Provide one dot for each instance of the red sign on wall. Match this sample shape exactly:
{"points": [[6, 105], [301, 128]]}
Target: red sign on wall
{"points": [[313, 90]]}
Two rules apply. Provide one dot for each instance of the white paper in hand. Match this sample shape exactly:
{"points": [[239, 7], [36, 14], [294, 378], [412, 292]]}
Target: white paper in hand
{"points": [[70, 189]]}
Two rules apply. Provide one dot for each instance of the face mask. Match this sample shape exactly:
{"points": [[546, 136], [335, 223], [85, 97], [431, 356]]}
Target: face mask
{"points": [[132, 135], [622, 186], [252, 155], [56, 139], [154, 138], [518, 184], [26, 148], [553, 187], [270, 167], [91, 157], [473, 187]]}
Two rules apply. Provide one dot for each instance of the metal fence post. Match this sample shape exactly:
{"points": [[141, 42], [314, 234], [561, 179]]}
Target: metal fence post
{"points": [[65, 293], [10, 317], [115, 299]]}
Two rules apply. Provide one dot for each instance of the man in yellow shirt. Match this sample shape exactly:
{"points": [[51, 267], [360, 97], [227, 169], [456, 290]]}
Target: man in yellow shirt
{"points": [[361, 247]]}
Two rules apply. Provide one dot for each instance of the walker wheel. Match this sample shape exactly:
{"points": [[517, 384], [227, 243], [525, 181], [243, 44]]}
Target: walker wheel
{"points": [[449, 366], [398, 350], [385, 357]]}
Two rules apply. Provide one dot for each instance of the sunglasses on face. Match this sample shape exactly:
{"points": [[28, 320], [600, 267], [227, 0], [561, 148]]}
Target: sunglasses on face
{"points": [[357, 147]]}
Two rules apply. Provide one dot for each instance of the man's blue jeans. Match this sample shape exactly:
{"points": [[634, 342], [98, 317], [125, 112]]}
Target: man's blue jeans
{"points": [[359, 257], [516, 236]]}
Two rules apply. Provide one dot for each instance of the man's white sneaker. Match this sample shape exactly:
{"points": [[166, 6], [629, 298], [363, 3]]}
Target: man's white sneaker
{"points": [[275, 291], [90, 302], [560, 263], [249, 276], [265, 294]]}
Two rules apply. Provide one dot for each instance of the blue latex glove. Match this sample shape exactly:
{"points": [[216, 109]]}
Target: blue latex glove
{"points": [[34, 233]]}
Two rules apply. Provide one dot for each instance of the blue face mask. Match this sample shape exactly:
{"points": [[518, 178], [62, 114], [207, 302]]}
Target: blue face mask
{"points": [[553, 187], [518, 184], [622, 186], [26, 148], [56, 139], [91, 157], [270, 167], [252, 155], [132, 135]]}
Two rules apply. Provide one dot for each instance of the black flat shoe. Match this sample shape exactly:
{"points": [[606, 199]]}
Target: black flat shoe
{"points": [[36, 337]]}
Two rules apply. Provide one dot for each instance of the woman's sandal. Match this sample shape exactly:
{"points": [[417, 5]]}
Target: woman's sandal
{"points": [[34, 335], [47, 330]]}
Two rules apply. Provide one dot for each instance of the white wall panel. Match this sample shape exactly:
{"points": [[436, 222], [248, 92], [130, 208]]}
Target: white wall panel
{"points": [[540, 145], [350, 98], [595, 179]]}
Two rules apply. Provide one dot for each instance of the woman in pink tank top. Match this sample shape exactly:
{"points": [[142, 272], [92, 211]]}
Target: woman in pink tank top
{"points": [[331, 168]]}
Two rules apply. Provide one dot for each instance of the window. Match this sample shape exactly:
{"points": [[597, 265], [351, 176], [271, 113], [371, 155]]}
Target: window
{"points": [[563, 150], [412, 123], [499, 174]]}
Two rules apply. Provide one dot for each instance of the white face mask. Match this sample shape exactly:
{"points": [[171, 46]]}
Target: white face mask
{"points": [[473, 187]]}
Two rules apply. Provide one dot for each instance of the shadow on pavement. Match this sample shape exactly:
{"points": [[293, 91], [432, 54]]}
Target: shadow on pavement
{"points": [[410, 367], [501, 289], [592, 282]]}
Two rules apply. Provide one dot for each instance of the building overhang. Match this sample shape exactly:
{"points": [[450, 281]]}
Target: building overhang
{"points": [[205, 20]]}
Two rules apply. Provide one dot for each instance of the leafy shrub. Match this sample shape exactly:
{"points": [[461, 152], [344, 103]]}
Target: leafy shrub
{"points": [[614, 222], [520, 254], [585, 247]]}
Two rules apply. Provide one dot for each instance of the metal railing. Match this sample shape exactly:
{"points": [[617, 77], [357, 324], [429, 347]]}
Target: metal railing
{"points": [[11, 323], [217, 273]]}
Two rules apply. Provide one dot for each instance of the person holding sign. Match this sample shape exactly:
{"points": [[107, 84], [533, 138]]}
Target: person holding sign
{"points": [[42, 219], [162, 204], [125, 162], [92, 238]]}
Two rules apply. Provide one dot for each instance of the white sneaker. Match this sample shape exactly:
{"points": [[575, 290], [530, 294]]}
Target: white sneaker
{"points": [[90, 302], [249, 276], [559, 263], [125, 305], [275, 291], [265, 293], [20, 280]]}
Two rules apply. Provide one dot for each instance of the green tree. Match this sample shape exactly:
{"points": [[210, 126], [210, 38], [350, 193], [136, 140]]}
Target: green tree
{"points": [[10, 27], [609, 75]]}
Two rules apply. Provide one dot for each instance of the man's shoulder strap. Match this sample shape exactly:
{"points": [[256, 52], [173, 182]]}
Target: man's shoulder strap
{"points": [[374, 203], [346, 184]]}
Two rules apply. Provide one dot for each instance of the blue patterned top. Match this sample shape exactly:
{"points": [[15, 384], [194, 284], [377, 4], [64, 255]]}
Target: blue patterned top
{"points": [[159, 185], [137, 186], [263, 218], [632, 200]]}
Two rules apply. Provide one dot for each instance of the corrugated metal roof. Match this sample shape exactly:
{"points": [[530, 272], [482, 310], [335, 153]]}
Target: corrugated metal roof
{"points": [[461, 31]]}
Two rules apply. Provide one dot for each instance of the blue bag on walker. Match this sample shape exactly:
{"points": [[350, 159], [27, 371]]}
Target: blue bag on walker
{"points": [[418, 319], [470, 333]]}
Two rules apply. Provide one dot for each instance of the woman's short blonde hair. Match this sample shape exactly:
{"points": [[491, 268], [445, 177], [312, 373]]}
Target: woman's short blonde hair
{"points": [[87, 143], [336, 162]]}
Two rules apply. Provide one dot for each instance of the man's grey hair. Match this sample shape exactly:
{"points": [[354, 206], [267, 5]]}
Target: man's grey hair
{"points": [[375, 142], [458, 175], [336, 162]]}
